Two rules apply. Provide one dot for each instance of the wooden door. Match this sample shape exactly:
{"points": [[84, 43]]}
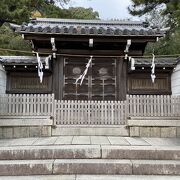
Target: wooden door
{"points": [[98, 84]]}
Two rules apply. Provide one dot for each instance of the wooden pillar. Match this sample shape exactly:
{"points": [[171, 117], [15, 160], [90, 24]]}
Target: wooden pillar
{"points": [[121, 79], [58, 77]]}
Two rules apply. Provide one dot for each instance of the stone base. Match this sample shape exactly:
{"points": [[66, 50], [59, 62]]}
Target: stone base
{"points": [[149, 131], [24, 131], [91, 130]]}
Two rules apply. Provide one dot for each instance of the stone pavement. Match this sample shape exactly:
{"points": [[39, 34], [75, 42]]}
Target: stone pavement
{"points": [[158, 158], [90, 140], [90, 177]]}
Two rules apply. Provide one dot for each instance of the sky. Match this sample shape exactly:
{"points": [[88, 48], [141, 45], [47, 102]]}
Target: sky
{"points": [[108, 9]]}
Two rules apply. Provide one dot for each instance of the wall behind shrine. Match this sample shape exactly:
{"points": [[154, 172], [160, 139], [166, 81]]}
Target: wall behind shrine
{"points": [[2, 80], [175, 81]]}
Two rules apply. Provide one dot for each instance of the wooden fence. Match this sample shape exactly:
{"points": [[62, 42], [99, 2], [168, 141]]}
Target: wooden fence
{"points": [[89, 112], [153, 105], [26, 104]]}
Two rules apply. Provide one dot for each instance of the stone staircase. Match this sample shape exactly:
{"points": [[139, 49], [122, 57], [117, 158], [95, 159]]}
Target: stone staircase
{"points": [[77, 161]]}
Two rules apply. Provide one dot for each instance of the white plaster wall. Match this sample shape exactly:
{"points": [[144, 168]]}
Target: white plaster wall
{"points": [[2, 80], [175, 81]]}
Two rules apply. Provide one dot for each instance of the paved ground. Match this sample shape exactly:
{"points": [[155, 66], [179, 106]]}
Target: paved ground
{"points": [[91, 140], [90, 177]]}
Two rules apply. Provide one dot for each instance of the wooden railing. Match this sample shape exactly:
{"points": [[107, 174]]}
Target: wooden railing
{"points": [[89, 112]]}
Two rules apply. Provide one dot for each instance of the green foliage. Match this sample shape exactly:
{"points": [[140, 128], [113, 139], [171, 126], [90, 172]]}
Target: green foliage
{"points": [[169, 7], [166, 46], [11, 40], [161, 13], [19, 11], [82, 13]]}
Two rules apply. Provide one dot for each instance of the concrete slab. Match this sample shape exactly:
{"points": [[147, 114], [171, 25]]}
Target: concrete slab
{"points": [[137, 141], [81, 140], [141, 152], [92, 166], [99, 140], [124, 177], [156, 167], [64, 140], [22, 142], [26, 167], [43, 177], [163, 141], [77, 152], [45, 141], [5, 142], [50, 152], [118, 141]]}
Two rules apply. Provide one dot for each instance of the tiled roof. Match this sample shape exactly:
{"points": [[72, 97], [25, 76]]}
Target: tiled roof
{"points": [[15, 60], [86, 27], [160, 62], [141, 62]]}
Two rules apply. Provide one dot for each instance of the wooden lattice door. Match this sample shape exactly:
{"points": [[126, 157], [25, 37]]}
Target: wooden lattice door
{"points": [[98, 84]]}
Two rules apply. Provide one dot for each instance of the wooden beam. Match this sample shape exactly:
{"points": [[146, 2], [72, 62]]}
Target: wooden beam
{"points": [[85, 38], [92, 52]]}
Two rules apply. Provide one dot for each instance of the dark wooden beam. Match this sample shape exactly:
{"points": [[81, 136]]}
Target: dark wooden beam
{"points": [[85, 38], [92, 52]]}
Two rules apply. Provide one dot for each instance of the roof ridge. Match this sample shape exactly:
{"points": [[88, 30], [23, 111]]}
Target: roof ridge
{"points": [[85, 21]]}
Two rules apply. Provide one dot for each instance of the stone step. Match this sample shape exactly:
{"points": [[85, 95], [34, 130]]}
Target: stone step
{"points": [[117, 167], [50, 152], [89, 166], [89, 152], [141, 152], [91, 177], [155, 118], [90, 130]]}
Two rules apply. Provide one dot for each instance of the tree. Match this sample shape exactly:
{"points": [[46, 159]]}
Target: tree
{"points": [[11, 40], [170, 8], [20, 11], [82, 13], [161, 14]]}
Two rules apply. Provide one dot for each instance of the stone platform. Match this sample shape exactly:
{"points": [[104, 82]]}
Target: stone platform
{"points": [[90, 157]]}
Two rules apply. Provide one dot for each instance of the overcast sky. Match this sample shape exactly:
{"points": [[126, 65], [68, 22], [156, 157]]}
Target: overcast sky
{"points": [[107, 9]]}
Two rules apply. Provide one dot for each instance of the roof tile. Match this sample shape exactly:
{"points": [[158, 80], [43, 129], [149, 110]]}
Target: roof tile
{"points": [[92, 27]]}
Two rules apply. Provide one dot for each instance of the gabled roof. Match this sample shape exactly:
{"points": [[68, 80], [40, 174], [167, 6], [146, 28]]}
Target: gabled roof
{"points": [[159, 62], [86, 27]]}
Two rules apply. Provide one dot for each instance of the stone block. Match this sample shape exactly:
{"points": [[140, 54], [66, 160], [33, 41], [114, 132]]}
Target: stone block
{"points": [[1, 133], [155, 132], [155, 167], [92, 166], [35, 131], [178, 131], [25, 167], [7, 132], [98, 130], [77, 152], [168, 132], [20, 132], [141, 152], [145, 132], [134, 132], [46, 131]]}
